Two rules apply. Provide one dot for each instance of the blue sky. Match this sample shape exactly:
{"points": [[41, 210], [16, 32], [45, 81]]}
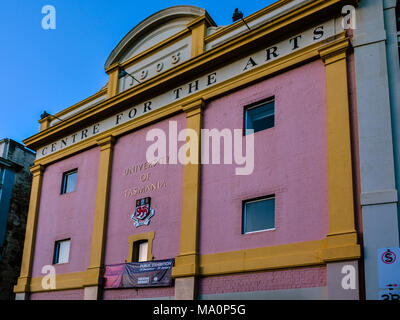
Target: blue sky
{"points": [[54, 69]]}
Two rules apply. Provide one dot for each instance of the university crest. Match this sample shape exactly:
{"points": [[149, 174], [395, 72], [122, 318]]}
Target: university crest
{"points": [[143, 212]]}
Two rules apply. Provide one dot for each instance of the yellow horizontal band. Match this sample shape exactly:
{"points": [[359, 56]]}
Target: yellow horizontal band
{"points": [[301, 254]]}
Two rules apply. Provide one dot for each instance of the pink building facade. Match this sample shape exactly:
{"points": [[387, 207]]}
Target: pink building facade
{"points": [[284, 230]]}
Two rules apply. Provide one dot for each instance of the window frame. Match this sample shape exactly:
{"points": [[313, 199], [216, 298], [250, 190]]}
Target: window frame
{"points": [[254, 105], [244, 202], [56, 252], [137, 238], [64, 181], [136, 250]]}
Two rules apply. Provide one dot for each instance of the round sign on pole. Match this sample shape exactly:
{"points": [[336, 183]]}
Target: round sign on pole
{"points": [[388, 257], [388, 267]]}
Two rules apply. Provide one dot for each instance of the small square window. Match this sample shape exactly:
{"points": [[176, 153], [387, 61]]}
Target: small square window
{"points": [[61, 251], [260, 116], [258, 215], [69, 181], [140, 249]]}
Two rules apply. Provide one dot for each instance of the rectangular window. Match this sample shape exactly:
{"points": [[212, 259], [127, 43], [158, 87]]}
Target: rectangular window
{"points": [[69, 181], [140, 249], [260, 116], [258, 215], [61, 251]]}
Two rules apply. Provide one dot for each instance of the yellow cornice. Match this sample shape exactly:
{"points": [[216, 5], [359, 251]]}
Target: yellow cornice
{"points": [[98, 94], [322, 4], [180, 73], [206, 18], [279, 65], [122, 129], [247, 19]]}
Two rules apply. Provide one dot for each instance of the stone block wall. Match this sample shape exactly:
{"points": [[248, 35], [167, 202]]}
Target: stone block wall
{"points": [[20, 160]]}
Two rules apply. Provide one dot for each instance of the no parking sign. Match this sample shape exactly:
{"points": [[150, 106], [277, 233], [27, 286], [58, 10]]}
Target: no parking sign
{"points": [[389, 268]]}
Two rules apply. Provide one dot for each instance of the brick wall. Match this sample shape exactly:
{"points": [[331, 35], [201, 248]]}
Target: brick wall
{"points": [[269, 280]]}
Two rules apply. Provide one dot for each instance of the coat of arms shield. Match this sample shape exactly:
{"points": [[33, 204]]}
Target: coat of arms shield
{"points": [[143, 212]]}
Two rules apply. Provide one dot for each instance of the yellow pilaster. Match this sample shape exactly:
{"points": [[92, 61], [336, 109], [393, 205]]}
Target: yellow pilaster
{"points": [[24, 280], [340, 179], [187, 261], [112, 87], [199, 33], [45, 122], [94, 271]]}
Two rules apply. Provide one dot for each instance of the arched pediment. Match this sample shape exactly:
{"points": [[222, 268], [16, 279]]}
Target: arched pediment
{"points": [[153, 30]]}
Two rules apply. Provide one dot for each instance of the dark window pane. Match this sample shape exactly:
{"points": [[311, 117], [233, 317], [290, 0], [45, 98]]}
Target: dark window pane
{"points": [[56, 252], [259, 215], [140, 251], [69, 181], [61, 251], [260, 117]]}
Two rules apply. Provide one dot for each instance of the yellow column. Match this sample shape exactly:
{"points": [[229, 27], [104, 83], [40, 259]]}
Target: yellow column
{"points": [[95, 269], [342, 232], [186, 263], [24, 280], [199, 32], [45, 122], [112, 87]]}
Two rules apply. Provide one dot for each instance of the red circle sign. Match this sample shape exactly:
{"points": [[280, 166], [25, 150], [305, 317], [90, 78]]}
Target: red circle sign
{"points": [[389, 257]]}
